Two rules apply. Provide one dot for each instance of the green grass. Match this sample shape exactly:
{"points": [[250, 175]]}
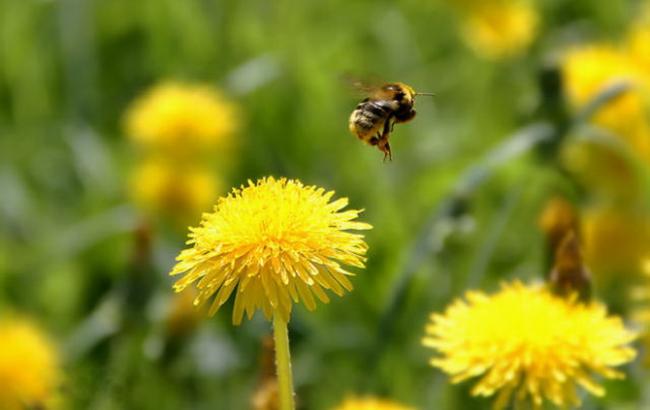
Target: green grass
{"points": [[68, 70]]}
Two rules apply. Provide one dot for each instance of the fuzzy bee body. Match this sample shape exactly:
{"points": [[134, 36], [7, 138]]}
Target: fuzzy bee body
{"points": [[373, 118]]}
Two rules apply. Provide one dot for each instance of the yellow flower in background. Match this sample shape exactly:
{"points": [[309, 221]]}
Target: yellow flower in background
{"points": [[501, 29], [29, 373], [180, 118], [588, 71], [273, 241], [525, 344], [615, 240], [370, 403], [160, 187]]}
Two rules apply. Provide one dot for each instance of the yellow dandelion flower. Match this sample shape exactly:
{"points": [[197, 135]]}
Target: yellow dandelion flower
{"points": [[177, 118], [528, 345], [370, 403], [29, 373], [615, 240], [590, 69], [162, 188], [501, 29], [274, 241], [587, 71]]}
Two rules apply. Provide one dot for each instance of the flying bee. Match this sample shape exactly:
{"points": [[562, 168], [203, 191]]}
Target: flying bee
{"points": [[374, 117]]}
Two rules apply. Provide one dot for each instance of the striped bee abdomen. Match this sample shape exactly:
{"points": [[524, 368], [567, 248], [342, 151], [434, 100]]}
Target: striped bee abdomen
{"points": [[368, 118]]}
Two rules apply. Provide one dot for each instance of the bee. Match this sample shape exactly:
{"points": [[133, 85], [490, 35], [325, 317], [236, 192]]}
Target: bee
{"points": [[374, 117]]}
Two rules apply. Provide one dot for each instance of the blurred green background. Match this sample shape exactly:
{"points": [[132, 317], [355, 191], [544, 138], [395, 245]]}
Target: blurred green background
{"points": [[91, 267]]}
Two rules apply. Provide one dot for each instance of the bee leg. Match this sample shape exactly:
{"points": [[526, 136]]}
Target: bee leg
{"points": [[387, 152], [384, 146], [373, 141]]}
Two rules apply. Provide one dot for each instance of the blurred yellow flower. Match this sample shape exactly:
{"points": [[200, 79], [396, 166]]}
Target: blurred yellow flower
{"points": [[160, 187], [29, 373], [615, 240], [180, 118], [587, 71], [275, 241], [528, 345], [370, 403], [501, 29]]}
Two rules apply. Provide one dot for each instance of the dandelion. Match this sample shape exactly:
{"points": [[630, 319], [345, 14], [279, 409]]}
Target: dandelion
{"points": [[370, 403], [176, 117], [29, 373], [160, 187], [272, 243], [275, 241], [497, 30], [526, 344], [587, 71]]}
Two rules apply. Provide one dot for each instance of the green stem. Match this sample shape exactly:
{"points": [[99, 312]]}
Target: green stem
{"points": [[283, 363]]}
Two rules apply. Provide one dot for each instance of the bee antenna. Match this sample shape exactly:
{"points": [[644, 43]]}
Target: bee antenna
{"points": [[430, 94]]}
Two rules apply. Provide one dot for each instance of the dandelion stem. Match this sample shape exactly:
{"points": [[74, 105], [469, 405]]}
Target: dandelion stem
{"points": [[283, 363]]}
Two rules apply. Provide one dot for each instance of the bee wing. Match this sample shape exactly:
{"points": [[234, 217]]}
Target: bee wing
{"points": [[367, 88]]}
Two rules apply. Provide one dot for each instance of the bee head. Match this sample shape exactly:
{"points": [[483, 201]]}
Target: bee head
{"points": [[400, 92]]}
